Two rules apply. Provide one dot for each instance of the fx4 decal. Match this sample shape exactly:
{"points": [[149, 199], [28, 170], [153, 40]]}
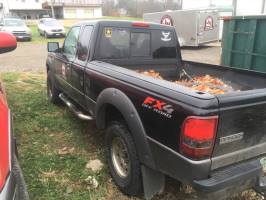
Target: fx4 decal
{"points": [[158, 106]]}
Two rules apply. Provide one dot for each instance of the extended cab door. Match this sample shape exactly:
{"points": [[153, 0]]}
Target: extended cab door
{"points": [[65, 58], [78, 66]]}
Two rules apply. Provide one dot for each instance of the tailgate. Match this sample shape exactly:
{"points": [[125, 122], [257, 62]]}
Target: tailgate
{"points": [[241, 133]]}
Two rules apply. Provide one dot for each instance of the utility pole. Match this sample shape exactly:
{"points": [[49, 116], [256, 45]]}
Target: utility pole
{"points": [[52, 7], [263, 7], [234, 7]]}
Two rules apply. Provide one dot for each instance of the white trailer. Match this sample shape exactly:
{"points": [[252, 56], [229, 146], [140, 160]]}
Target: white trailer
{"points": [[193, 27]]}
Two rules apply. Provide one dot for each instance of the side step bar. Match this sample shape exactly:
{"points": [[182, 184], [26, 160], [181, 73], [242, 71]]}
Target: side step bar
{"points": [[74, 109]]}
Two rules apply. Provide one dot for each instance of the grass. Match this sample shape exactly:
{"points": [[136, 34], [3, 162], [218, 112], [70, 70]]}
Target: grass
{"points": [[43, 130]]}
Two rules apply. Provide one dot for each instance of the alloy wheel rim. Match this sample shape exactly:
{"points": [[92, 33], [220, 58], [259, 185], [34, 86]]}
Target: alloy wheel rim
{"points": [[120, 157]]}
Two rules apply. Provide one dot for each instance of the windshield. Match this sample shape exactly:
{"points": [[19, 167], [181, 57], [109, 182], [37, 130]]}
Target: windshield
{"points": [[13, 22], [51, 23], [119, 43]]}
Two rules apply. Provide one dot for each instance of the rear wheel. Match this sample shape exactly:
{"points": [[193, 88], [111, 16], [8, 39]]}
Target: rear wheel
{"points": [[122, 159], [52, 91]]}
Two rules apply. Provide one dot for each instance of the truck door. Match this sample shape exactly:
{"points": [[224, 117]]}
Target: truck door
{"points": [[65, 58], [78, 66]]}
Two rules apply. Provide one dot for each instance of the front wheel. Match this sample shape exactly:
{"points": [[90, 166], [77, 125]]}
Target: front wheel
{"points": [[52, 91], [122, 159]]}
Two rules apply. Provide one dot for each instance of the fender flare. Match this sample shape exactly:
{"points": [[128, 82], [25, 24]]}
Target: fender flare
{"points": [[116, 98]]}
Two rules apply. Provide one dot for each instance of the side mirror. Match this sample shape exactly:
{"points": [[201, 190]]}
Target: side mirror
{"points": [[8, 42], [53, 46]]}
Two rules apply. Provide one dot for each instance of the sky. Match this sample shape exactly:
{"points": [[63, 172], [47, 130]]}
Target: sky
{"points": [[244, 7]]}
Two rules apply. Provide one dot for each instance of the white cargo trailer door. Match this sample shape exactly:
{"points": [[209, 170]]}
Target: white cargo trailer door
{"points": [[208, 26]]}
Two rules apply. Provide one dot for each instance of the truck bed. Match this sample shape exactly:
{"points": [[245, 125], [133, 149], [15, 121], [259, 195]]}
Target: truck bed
{"points": [[241, 112], [238, 80]]}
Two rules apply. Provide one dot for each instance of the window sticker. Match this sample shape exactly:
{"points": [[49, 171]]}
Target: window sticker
{"points": [[166, 36], [108, 32]]}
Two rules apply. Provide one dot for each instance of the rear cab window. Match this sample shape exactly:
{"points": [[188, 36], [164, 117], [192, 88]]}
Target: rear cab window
{"points": [[125, 43]]}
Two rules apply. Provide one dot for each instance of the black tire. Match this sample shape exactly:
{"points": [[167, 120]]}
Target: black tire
{"points": [[52, 91], [21, 191], [132, 183]]}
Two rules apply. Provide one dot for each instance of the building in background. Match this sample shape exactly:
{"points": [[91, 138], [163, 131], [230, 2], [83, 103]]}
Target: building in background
{"points": [[25, 9], [74, 9], [35, 9]]}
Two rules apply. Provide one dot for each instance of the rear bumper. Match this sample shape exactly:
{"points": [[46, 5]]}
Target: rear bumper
{"points": [[223, 183], [218, 184], [176, 165]]}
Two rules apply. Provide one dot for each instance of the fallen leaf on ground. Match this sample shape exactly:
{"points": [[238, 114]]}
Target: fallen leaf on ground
{"points": [[49, 174], [95, 165], [92, 182], [65, 151]]}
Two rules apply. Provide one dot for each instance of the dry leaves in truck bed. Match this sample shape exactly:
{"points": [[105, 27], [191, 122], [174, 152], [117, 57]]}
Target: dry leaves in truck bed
{"points": [[151, 73], [204, 83]]}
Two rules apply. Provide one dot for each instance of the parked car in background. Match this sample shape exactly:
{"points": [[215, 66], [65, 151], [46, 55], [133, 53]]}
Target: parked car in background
{"points": [[17, 27], [49, 27], [12, 184]]}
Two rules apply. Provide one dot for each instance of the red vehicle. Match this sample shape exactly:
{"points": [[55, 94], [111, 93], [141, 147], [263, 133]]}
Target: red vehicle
{"points": [[12, 184]]}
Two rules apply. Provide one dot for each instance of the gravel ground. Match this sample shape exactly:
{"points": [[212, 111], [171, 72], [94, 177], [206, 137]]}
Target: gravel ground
{"points": [[31, 56], [27, 57], [210, 53]]}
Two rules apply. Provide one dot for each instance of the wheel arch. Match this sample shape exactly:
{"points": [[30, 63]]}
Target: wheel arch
{"points": [[116, 100]]}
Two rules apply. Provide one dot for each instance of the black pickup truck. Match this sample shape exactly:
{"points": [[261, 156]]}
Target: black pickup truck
{"points": [[156, 128]]}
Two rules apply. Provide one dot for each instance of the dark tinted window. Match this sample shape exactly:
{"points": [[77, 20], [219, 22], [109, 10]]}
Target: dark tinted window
{"points": [[163, 44], [84, 41], [122, 43], [140, 44], [70, 44], [114, 43]]}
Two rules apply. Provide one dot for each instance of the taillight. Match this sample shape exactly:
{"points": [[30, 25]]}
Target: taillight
{"points": [[4, 142], [198, 136], [140, 24]]}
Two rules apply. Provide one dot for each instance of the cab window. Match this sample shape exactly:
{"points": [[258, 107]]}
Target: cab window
{"points": [[70, 45], [84, 42], [140, 44], [126, 43], [115, 43]]}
